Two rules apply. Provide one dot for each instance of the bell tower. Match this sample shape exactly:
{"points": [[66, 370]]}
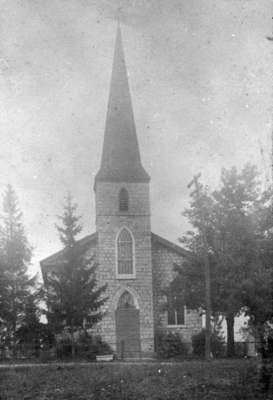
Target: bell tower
{"points": [[123, 223]]}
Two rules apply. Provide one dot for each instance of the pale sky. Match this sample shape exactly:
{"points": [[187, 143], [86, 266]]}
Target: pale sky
{"points": [[200, 73]]}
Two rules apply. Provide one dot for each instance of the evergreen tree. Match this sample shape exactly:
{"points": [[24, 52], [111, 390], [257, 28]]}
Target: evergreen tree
{"points": [[32, 331], [15, 259], [74, 301]]}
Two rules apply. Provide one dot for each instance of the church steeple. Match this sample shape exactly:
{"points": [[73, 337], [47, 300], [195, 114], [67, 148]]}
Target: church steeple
{"points": [[120, 157]]}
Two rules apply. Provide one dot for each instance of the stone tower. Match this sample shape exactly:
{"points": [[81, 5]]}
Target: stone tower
{"points": [[123, 224]]}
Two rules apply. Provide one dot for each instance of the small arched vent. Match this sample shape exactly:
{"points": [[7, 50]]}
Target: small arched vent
{"points": [[123, 200]]}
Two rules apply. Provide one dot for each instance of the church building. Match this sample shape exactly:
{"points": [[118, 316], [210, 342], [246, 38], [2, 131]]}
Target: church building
{"points": [[136, 263]]}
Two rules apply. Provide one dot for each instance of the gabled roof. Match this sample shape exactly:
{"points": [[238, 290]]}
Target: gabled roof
{"points": [[88, 240], [56, 258], [169, 245], [120, 157]]}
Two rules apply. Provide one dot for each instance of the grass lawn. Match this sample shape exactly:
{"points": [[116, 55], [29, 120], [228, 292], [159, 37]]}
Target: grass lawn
{"points": [[225, 379]]}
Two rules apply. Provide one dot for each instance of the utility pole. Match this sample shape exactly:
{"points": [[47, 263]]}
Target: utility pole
{"points": [[270, 38], [196, 183]]}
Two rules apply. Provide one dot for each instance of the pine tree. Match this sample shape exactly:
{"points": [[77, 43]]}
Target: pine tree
{"points": [[32, 331], [15, 259], [74, 301]]}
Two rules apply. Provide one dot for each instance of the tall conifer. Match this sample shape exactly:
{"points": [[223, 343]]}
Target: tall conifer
{"points": [[14, 261], [73, 298]]}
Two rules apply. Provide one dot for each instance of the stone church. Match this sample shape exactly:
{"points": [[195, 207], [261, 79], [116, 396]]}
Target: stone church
{"points": [[135, 263]]}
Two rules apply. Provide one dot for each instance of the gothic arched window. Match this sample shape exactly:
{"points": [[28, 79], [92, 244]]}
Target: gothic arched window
{"points": [[123, 200], [125, 253]]}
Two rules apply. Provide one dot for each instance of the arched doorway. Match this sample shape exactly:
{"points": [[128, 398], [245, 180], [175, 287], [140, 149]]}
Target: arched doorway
{"points": [[127, 327]]}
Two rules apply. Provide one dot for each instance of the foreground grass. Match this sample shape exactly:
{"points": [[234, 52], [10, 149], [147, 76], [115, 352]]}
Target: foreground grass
{"points": [[234, 379]]}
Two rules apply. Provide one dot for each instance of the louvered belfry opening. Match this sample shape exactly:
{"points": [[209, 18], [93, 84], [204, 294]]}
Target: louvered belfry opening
{"points": [[123, 200]]}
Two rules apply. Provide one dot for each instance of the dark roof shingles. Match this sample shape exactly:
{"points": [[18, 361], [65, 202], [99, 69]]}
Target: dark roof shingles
{"points": [[120, 157]]}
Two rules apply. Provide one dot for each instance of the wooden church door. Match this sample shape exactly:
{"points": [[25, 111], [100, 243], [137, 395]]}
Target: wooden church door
{"points": [[127, 327]]}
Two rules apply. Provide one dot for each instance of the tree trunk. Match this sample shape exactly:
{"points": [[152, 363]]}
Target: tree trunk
{"points": [[73, 349], [266, 364], [230, 335]]}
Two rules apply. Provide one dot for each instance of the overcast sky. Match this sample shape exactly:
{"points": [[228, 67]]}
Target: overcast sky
{"points": [[200, 74]]}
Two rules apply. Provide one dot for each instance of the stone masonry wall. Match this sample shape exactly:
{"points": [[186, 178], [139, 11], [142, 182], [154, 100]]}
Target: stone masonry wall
{"points": [[109, 221], [163, 273]]}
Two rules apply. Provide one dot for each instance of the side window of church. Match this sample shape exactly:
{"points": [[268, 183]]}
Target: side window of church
{"points": [[123, 200], [176, 310], [125, 253]]}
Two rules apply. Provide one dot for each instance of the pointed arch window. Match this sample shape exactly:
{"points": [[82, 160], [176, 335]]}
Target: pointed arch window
{"points": [[123, 200], [125, 254]]}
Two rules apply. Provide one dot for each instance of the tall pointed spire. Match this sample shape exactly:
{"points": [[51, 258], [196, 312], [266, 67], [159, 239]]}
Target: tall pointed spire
{"points": [[120, 157]]}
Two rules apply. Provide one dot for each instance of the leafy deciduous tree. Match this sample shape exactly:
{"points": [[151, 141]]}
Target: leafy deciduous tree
{"points": [[233, 245]]}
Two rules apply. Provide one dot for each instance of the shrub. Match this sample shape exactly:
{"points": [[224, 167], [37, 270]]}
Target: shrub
{"points": [[240, 349], [103, 347], [87, 346], [64, 348], [47, 355], [170, 345], [217, 344], [91, 346]]}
